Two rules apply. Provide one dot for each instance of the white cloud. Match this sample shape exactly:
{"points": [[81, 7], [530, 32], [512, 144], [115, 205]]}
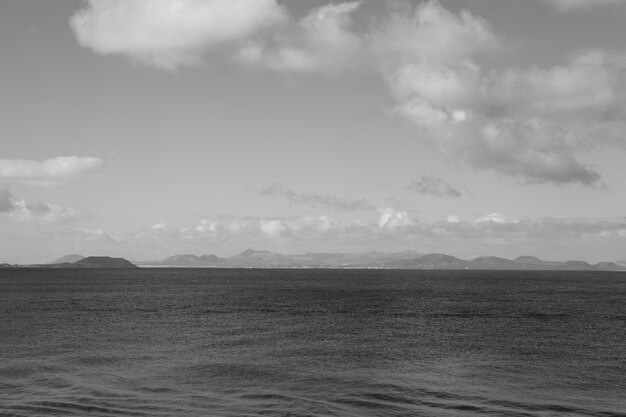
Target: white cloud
{"points": [[170, 33], [496, 218], [157, 227], [391, 219], [260, 33], [274, 228], [47, 171], [206, 227], [320, 42], [453, 219], [432, 34]]}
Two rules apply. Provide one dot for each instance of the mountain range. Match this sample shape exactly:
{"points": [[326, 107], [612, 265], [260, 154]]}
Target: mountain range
{"points": [[399, 260]]}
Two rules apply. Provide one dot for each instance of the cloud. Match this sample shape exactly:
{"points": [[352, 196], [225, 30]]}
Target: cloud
{"points": [[496, 218], [527, 123], [87, 235], [274, 228], [431, 185], [260, 33], [48, 171], [22, 211], [577, 5], [547, 229], [430, 33], [246, 230], [391, 219], [170, 33], [317, 201], [520, 123], [321, 42], [392, 229]]}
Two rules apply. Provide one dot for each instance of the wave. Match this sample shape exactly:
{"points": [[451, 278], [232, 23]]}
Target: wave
{"points": [[324, 396]]}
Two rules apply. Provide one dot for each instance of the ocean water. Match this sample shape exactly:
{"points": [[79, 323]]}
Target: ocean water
{"points": [[176, 342]]}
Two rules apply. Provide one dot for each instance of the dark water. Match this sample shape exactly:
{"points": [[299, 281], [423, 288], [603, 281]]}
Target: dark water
{"points": [[312, 343]]}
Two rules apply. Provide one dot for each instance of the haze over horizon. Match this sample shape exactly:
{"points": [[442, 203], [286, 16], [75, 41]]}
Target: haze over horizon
{"points": [[152, 128]]}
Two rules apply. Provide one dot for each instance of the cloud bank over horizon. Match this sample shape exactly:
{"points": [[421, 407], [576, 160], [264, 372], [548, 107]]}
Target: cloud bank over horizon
{"points": [[392, 231]]}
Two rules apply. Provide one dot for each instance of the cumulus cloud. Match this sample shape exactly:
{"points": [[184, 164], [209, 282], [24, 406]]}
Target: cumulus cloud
{"points": [[20, 210], [316, 200], [260, 33], [170, 33], [496, 218], [48, 171], [391, 219], [320, 42], [431, 185], [577, 5], [521, 123], [430, 33], [274, 228]]}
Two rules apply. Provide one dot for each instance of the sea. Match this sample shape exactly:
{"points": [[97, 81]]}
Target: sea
{"points": [[255, 342]]}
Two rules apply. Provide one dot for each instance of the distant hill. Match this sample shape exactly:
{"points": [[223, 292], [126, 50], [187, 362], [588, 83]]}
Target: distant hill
{"points": [[68, 259], [609, 266], [434, 260], [187, 261], [251, 258], [102, 262], [528, 259]]}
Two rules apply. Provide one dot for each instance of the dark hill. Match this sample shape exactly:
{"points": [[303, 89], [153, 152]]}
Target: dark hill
{"points": [[493, 262], [182, 260], [528, 259], [103, 262], [438, 260]]}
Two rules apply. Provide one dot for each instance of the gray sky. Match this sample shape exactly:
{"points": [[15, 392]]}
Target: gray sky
{"points": [[147, 128]]}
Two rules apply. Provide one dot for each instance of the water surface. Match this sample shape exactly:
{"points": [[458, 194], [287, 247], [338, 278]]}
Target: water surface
{"points": [[176, 342]]}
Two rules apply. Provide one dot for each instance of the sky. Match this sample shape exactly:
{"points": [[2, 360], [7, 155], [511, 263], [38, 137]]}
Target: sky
{"points": [[148, 128]]}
